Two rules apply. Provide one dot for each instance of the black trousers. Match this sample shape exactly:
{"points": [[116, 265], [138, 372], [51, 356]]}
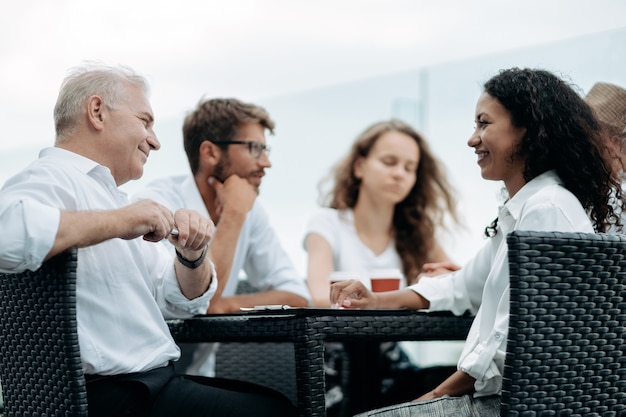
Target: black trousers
{"points": [[162, 393]]}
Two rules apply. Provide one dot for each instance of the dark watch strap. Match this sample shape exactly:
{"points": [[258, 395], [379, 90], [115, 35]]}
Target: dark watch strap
{"points": [[192, 264]]}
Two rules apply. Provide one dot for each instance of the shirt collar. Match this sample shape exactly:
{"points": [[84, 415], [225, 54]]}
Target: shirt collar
{"points": [[81, 163], [512, 209]]}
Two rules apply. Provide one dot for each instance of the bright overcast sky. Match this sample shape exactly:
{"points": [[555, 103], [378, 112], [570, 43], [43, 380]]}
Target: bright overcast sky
{"points": [[255, 49]]}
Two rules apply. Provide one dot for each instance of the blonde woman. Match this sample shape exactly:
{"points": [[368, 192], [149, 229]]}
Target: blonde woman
{"points": [[389, 200]]}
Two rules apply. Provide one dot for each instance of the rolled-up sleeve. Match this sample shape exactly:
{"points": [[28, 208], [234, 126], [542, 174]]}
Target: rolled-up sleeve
{"points": [[485, 361], [444, 293], [29, 229], [170, 298], [462, 290]]}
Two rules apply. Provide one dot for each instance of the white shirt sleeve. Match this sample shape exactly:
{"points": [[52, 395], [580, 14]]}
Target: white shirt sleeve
{"points": [[29, 229], [175, 305], [462, 290], [324, 223]]}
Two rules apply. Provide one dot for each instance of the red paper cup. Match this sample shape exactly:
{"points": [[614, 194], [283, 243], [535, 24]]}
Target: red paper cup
{"points": [[385, 280]]}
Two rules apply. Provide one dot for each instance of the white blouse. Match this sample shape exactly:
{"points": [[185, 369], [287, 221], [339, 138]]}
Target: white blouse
{"points": [[482, 286], [349, 252]]}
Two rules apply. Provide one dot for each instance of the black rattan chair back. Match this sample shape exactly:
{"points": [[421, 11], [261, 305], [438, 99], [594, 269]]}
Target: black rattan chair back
{"points": [[41, 370], [566, 353]]}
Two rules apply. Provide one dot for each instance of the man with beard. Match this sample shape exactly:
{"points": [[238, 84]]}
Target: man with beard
{"points": [[127, 283], [226, 148]]}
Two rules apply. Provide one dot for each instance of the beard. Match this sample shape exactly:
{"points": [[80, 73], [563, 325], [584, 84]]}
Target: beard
{"points": [[224, 169]]}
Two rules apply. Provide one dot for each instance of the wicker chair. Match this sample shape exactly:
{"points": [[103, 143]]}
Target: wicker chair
{"points": [[566, 353], [41, 370]]}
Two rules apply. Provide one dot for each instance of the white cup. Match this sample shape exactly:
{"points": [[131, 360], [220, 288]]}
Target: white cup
{"points": [[338, 276]]}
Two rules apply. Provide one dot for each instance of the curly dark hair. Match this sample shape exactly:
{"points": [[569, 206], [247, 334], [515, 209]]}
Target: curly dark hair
{"points": [[417, 217], [563, 134], [219, 120]]}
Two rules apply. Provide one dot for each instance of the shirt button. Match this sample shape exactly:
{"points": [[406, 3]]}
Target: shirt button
{"points": [[498, 336]]}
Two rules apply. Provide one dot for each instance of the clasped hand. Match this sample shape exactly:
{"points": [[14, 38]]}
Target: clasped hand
{"points": [[155, 222], [195, 232]]}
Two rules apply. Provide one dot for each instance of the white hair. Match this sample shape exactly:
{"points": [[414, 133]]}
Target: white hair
{"points": [[82, 82]]}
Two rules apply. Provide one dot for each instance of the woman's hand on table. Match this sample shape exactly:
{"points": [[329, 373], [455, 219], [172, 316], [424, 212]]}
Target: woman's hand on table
{"points": [[352, 294]]}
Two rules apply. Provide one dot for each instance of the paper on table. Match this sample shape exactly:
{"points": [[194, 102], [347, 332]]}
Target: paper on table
{"points": [[266, 307]]}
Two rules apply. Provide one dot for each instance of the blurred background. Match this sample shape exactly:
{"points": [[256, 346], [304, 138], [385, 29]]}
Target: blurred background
{"points": [[324, 70]]}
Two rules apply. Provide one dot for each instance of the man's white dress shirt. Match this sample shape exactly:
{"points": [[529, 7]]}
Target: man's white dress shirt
{"points": [[124, 287]]}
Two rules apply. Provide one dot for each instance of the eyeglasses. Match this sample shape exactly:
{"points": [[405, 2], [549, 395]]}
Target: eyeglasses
{"points": [[255, 148]]}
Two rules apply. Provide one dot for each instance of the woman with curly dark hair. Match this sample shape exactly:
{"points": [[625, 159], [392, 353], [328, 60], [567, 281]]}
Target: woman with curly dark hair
{"points": [[538, 136], [556, 121], [389, 200]]}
